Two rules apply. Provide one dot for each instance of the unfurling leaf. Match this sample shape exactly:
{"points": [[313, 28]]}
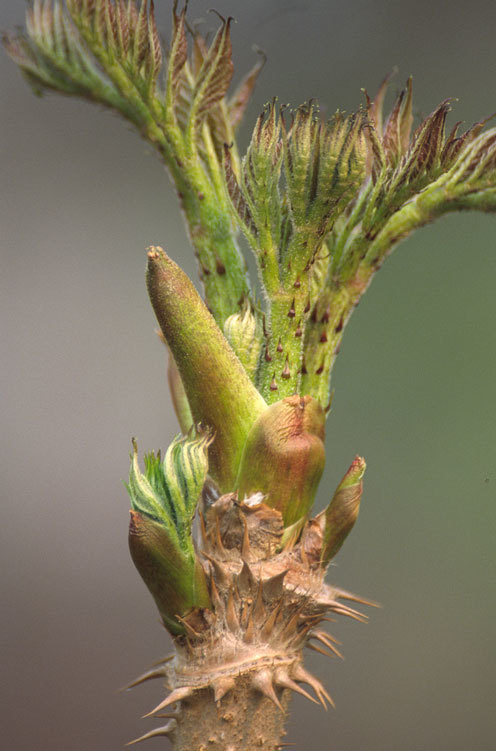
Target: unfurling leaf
{"points": [[284, 457], [164, 500], [169, 491], [238, 200], [399, 125], [215, 74], [325, 163], [179, 49], [424, 154]]}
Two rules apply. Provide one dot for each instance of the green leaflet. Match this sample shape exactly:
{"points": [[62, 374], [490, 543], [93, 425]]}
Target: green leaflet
{"points": [[168, 490]]}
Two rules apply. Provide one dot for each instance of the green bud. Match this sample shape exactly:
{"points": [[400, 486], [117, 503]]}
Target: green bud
{"points": [[301, 159], [164, 500], [220, 393], [256, 199], [174, 578], [343, 154], [338, 519], [242, 331], [325, 164], [284, 456]]}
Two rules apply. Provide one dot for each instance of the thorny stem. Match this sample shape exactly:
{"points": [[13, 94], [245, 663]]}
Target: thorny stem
{"points": [[241, 721]]}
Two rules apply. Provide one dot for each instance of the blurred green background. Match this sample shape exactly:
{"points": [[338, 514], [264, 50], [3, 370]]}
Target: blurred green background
{"points": [[82, 372]]}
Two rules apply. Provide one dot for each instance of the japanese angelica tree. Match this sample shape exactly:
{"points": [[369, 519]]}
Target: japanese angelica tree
{"points": [[321, 204]]}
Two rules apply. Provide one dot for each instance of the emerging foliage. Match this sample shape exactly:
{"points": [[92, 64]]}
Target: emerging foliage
{"points": [[163, 501], [321, 203]]}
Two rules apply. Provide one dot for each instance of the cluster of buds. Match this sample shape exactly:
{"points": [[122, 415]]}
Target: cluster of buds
{"points": [[274, 453]]}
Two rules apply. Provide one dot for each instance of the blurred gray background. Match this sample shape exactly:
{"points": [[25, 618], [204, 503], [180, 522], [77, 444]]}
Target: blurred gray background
{"points": [[82, 372]]}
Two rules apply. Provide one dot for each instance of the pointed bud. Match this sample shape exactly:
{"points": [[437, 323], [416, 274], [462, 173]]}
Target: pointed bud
{"points": [[175, 579], [338, 519], [243, 332], [284, 456], [260, 209], [219, 391]]}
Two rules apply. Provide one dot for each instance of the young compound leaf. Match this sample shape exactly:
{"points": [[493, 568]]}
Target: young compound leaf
{"points": [[215, 74]]}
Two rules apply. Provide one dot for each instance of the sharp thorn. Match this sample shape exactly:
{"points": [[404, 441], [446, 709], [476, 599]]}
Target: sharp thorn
{"points": [[218, 538], [177, 695], [360, 617], [268, 627], [165, 730], [341, 609], [222, 686], [273, 587], [246, 553], [259, 607], [249, 633], [157, 672], [219, 572], [302, 675], [246, 580], [291, 628], [164, 660], [167, 715], [327, 641], [232, 619], [342, 594], [320, 650], [262, 680], [214, 594], [282, 679]]}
